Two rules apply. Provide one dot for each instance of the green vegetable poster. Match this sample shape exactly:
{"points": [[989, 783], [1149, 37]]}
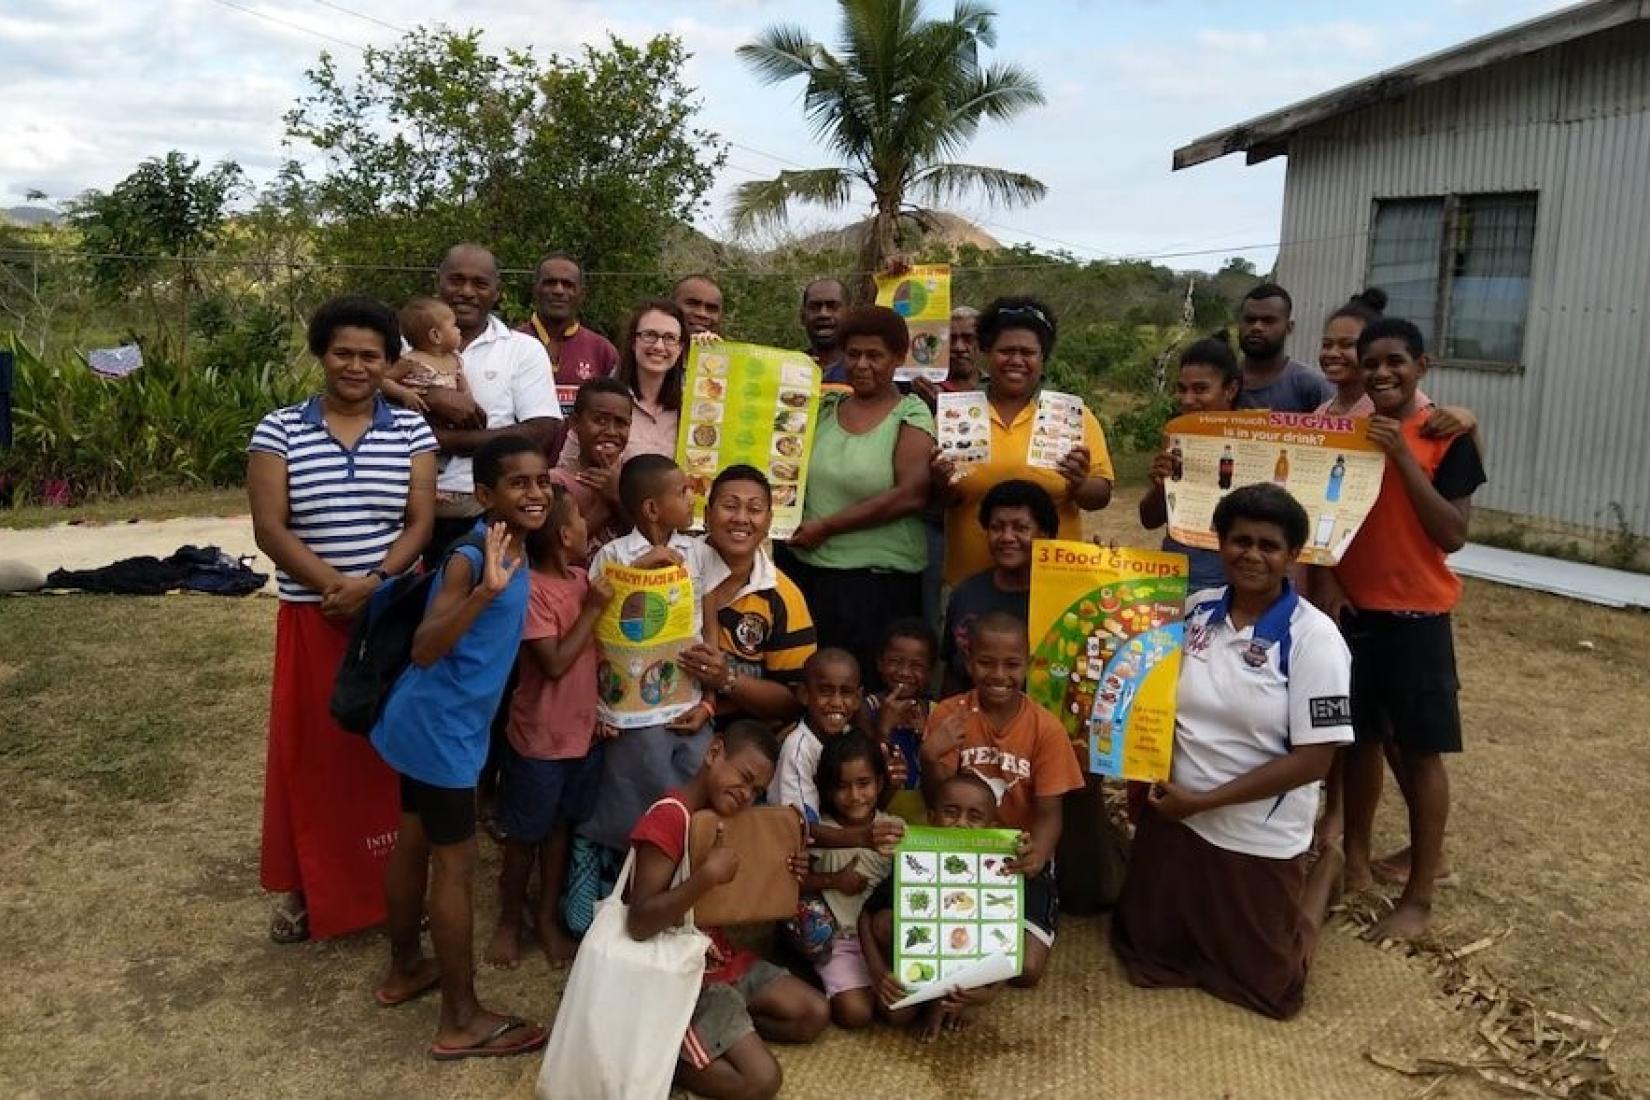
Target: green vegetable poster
{"points": [[957, 910]]}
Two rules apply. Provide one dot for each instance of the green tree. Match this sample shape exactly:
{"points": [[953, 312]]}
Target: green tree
{"points": [[438, 141], [898, 99], [146, 235]]}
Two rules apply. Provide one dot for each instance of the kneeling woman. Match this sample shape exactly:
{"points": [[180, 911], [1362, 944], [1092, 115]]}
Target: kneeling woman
{"points": [[1221, 893]]}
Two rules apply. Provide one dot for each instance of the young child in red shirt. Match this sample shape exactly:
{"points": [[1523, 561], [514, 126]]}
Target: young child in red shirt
{"points": [[744, 999], [552, 761]]}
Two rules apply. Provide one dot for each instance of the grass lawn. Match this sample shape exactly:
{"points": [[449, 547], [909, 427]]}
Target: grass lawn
{"points": [[171, 504], [131, 761]]}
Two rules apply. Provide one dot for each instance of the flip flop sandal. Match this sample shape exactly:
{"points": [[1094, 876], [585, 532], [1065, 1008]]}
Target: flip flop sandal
{"points": [[386, 1001], [481, 1048], [289, 925]]}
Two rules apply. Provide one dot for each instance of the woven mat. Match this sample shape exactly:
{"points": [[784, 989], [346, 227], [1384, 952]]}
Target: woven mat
{"points": [[1087, 1032]]}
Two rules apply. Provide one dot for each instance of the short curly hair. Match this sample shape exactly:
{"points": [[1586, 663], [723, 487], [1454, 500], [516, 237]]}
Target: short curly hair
{"points": [[354, 311], [878, 321]]}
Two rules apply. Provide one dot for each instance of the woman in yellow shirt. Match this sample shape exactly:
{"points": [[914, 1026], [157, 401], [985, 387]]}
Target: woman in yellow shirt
{"points": [[1016, 336]]}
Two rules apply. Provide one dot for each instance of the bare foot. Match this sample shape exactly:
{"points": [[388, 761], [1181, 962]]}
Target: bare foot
{"points": [[504, 949], [405, 981], [1357, 879], [1407, 922], [930, 1023], [1394, 870], [559, 947]]}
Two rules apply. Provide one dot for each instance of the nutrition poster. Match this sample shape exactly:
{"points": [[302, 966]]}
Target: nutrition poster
{"points": [[964, 421], [923, 297], [743, 403], [957, 910], [648, 622], [1057, 429], [1106, 638], [1326, 462]]}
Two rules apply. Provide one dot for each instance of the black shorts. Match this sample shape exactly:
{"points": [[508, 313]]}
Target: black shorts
{"points": [[448, 814], [1403, 680], [541, 794], [1042, 916]]}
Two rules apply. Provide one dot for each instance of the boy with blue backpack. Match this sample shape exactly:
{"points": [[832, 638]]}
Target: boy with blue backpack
{"points": [[433, 731]]}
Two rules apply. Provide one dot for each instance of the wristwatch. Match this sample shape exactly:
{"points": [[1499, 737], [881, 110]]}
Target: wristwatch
{"points": [[726, 686], [380, 574]]}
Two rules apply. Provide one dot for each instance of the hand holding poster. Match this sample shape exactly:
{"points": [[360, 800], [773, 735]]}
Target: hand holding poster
{"points": [[646, 625], [1326, 462], [957, 911], [742, 403], [1105, 650], [922, 295], [1057, 429]]}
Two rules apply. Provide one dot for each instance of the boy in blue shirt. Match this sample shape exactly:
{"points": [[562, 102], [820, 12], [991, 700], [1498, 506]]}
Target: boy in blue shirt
{"points": [[434, 732]]}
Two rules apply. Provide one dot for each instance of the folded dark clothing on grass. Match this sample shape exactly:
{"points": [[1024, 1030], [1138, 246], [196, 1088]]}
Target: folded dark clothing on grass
{"points": [[191, 568]]}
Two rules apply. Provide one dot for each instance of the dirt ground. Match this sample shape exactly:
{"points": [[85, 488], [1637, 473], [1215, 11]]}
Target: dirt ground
{"points": [[131, 760]]}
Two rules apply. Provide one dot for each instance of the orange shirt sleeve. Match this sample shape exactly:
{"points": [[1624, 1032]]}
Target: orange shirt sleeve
{"points": [[1094, 438]]}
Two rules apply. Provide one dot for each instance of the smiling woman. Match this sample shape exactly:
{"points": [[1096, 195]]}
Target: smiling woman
{"points": [[342, 489], [860, 551], [1016, 335]]}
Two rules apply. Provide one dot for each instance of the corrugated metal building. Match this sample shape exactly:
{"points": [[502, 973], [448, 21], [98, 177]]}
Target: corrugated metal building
{"points": [[1500, 192]]}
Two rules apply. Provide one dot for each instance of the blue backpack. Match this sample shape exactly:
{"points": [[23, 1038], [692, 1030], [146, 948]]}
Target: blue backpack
{"points": [[380, 645]]}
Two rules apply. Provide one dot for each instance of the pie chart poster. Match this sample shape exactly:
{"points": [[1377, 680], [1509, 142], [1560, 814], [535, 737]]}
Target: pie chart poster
{"points": [[644, 629], [922, 295]]}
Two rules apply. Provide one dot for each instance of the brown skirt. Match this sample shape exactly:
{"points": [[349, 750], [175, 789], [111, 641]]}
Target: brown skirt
{"points": [[1199, 916]]}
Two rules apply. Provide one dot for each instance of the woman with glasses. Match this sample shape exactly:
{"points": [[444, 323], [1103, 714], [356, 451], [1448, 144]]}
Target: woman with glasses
{"points": [[652, 354], [1016, 337], [859, 554]]}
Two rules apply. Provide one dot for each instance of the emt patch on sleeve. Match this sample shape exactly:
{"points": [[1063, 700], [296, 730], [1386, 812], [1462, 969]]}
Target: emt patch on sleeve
{"points": [[1330, 710]]}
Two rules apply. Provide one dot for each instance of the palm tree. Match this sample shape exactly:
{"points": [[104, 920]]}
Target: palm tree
{"points": [[900, 97]]}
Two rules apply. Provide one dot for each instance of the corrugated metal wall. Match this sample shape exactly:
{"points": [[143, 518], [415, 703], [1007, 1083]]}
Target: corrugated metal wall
{"points": [[1567, 436]]}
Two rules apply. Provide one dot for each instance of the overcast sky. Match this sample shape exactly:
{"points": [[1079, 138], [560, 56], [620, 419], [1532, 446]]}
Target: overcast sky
{"points": [[92, 87]]}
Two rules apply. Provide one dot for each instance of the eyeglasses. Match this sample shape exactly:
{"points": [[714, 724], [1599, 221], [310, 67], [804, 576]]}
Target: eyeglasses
{"points": [[647, 338]]}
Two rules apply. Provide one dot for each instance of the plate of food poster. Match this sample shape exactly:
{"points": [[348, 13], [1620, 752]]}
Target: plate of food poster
{"points": [[1105, 649], [751, 405], [964, 423], [954, 906]]}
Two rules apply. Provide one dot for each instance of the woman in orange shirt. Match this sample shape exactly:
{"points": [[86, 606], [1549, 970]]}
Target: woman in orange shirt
{"points": [[1016, 336]]}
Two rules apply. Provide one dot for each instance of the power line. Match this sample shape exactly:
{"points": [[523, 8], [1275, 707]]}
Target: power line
{"points": [[278, 21], [362, 15], [35, 253]]}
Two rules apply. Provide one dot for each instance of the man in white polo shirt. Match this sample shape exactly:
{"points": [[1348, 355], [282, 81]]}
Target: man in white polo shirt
{"points": [[511, 389]]}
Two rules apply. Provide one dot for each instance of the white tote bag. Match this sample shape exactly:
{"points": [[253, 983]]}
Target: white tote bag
{"points": [[627, 1005]]}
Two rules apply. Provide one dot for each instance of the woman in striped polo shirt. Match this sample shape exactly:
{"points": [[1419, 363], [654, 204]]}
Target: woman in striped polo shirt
{"points": [[342, 488]]}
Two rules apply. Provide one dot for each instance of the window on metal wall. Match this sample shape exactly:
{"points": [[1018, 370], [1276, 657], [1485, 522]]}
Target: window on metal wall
{"points": [[1459, 267]]}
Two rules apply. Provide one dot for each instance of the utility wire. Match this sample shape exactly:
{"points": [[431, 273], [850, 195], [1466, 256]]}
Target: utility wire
{"points": [[362, 16], [278, 21]]}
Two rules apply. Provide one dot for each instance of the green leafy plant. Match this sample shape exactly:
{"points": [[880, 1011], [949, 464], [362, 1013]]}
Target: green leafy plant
{"points": [[163, 426]]}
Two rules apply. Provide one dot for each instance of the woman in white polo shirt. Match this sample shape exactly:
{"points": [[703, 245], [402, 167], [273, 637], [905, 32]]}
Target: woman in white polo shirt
{"points": [[1221, 893]]}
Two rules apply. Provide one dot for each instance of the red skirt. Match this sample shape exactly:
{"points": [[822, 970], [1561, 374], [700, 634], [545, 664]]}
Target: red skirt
{"points": [[331, 806]]}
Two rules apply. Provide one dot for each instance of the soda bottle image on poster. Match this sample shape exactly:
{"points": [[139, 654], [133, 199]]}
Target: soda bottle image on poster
{"points": [[1325, 462], [1106, 639], [922, 295]]}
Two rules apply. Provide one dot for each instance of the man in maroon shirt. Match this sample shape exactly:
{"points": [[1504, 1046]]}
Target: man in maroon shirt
{"points": [[577, 354]]}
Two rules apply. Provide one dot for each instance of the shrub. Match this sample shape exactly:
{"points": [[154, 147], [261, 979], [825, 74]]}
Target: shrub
{"points": [[161, 427]]}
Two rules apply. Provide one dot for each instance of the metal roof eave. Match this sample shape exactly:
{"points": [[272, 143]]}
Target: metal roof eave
{"points": [[1268, 135]]}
